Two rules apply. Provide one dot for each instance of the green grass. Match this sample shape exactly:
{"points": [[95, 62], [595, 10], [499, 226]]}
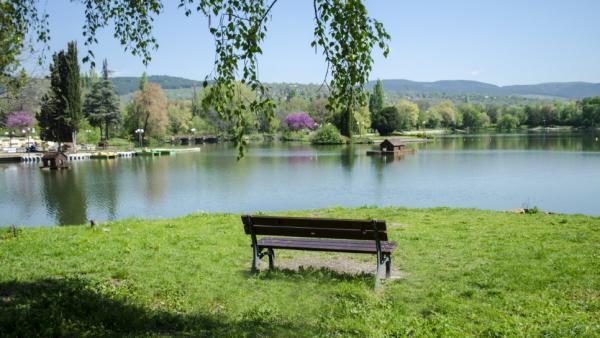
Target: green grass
{"points": [[464, 273]]}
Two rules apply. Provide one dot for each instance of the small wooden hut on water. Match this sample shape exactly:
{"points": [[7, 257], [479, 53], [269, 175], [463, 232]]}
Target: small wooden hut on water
{"points": [[54, 160], [391, 147]]}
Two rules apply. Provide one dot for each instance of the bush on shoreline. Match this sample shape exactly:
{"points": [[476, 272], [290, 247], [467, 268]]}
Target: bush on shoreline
{"points": [[327, 134]]}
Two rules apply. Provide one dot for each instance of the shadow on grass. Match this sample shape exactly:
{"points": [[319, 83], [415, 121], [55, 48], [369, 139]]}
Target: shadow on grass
{"points": [[74, 307], [320, 274]]}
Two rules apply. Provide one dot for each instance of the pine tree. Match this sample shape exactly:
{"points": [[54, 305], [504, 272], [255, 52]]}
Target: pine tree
{"points": [[376, 100], [195, 109], [101, 105], [143, 81], [71, 90], [53, 120]]}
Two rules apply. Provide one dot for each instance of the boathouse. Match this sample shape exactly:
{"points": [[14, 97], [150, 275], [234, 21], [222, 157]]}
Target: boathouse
{"points": [[54, 161], [391, 145]]}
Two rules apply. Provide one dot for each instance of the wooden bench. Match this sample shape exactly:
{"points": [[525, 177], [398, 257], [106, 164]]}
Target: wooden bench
{"points": [[319, 234]]}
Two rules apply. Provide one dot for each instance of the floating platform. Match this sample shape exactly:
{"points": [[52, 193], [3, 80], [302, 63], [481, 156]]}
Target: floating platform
{"points": [[390, 153], [20, 157], [104, 155], [148, 153], [126, 153], [155, 152], [79, 156], [166, 152]]}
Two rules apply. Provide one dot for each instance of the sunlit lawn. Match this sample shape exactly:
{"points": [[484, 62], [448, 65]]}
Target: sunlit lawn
{"points": [[462, 272]]}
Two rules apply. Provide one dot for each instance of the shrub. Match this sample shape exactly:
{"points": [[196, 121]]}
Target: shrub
{"points": [[473, 116], [292, 135], [387, 120], [328, 134], [299, 121], [507, 122]]}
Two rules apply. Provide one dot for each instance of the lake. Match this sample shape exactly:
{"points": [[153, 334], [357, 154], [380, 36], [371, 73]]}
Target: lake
{"points": [[558, 172]]}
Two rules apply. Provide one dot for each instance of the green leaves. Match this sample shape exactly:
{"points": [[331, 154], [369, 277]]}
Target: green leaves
{"points": [[343, 29], [347, 35]]}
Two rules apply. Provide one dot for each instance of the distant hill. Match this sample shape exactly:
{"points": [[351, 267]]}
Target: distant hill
{"points": [[129, 84], [565, 90], [571, 90]]}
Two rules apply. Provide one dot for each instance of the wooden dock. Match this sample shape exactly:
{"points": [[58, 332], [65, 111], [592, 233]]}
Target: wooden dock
{"points": [[390, 153], [101, 155], [20, 157]]}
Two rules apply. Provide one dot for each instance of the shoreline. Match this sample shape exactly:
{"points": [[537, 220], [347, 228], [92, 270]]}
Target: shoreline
{"points": [[515, 211]]}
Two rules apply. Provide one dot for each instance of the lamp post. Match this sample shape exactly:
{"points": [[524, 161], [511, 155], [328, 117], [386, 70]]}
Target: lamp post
{"points": [[28, 139], [33, 132], [9, 134], [24, 132], [140, 132]]}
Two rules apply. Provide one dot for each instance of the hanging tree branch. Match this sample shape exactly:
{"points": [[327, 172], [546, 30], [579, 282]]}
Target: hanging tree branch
{"points": [[343, 31]]}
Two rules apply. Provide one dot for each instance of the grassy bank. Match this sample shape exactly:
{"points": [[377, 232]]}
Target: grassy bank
{"points": [[460, 272]]}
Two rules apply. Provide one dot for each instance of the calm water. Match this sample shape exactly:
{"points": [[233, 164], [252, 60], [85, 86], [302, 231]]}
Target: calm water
{"points": [[555, 172]]}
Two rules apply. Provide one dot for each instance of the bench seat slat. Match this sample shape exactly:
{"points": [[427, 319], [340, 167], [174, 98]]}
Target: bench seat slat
{"points": [[354, 246], [365, 234], [315, 222]]}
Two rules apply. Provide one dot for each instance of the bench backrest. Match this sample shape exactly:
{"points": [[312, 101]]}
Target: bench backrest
{"points": [[315, 227]]}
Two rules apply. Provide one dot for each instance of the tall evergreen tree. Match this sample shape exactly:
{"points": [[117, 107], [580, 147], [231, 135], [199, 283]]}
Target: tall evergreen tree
{"points": [[72, 90], [143, 81], [101, 105], [376, 99], [53, 121], [195, 110]]}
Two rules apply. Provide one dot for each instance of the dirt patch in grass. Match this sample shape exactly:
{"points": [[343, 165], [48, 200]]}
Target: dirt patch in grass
{"points": [[339, 263], [398, 226]]}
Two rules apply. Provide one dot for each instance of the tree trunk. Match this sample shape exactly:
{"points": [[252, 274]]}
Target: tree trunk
{"points": [[145, 127], [74, 139], [106, 132]]}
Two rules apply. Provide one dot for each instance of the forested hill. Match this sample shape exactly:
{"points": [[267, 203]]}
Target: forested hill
{"points": [[566, 90], [128, 84]]}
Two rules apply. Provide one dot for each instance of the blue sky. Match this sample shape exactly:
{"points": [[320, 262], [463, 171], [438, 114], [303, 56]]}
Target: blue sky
{"points": [[501, 42]]}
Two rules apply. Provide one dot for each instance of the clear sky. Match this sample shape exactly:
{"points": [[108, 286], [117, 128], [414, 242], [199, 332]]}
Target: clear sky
{"points": [[501, 42]]}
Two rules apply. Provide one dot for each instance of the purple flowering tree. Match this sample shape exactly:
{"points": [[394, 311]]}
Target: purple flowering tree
{"points": [[299, 121], [18, 120]]}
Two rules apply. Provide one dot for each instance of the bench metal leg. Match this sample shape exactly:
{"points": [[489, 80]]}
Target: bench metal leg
{"points": [[271, 254], [383, 260], [255, 258], [388, 267], [378, 271]]}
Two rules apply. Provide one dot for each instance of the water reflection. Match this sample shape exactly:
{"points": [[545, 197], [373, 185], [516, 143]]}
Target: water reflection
{"points": [[348, 157], [560, 141], [64, 196], [104, 193], [557, 172]]}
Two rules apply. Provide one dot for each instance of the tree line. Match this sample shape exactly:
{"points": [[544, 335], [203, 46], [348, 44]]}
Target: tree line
{"points": [[87, 105], [409, 115]]}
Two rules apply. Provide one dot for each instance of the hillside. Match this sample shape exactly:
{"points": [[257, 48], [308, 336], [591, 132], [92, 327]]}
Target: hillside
{"points": [[564, 90], [128, 84]]}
